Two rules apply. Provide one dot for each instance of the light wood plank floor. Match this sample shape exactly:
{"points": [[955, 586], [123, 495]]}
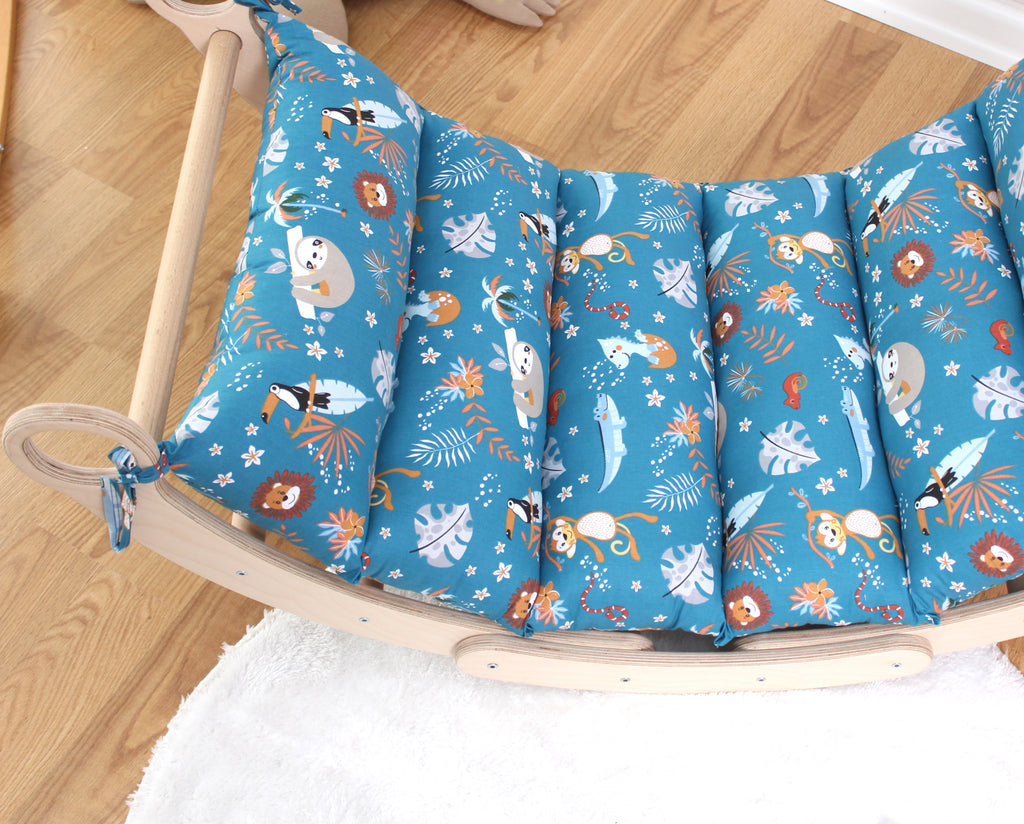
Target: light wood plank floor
{"points": [[96, 650]]}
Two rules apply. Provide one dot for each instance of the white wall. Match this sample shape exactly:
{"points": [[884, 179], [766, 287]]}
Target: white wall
{"points": [[990, 31]]}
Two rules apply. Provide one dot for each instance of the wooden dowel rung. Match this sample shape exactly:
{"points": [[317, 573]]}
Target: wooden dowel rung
{"points": [[152, 392]]}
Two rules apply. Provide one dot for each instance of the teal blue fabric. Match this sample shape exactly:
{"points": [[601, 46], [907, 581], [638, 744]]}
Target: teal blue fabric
{"points": [[630, 484], [811, 531], [943, 302], [1001, 115], [614, 401], [286, 420], [458, 499]]}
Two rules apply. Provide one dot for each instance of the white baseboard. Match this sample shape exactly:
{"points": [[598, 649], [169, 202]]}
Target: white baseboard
{"points": [[990, 31]]}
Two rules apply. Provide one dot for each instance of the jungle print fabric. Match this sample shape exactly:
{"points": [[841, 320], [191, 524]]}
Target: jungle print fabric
{"points": [[286, 420], [811, 533], [943, 300], [630, 485], [614, 400], [458, 498]]}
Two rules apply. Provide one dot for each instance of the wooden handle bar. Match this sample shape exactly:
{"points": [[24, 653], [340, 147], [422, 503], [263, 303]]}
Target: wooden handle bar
{"points": [[152, 392]]}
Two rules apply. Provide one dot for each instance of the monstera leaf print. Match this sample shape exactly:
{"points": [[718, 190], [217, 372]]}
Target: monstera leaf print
{"points": [[691, 575], [676, 279], [748, 198], [443, 533], [786, 449], [999, 395], [470, 235], [936, 138], [199, 417], [551, 466]]}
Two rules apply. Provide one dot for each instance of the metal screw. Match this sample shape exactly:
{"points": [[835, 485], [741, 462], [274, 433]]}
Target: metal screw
{"points": [[364, 620], [625, 680], [492, 666], [897, 665], [241, 573]]}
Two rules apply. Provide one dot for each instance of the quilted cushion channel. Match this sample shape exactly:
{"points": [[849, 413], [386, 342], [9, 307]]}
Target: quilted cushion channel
{"points": [[811, 527], [942, 301], [459, 512], [631, 491], [286, 420]]}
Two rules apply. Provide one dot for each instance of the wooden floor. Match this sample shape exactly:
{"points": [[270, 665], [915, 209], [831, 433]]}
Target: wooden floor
{"points": [[96, 650]]}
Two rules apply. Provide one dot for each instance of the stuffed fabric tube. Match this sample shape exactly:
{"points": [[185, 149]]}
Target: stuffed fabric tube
{"points": [[458, 496], [287, 418], [631, 493], [811, 530], [943, 303]]}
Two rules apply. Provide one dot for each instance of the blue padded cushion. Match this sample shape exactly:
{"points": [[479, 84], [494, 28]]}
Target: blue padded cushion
{"points": [[811, 528], [458, 494], [586, 400], [286, 421], [631, 491], [942, 301]]}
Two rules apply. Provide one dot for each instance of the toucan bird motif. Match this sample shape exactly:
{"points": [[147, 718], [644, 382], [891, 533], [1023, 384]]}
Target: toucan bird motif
{"points": [[956, 466], [360, 113], [525, 509], [934, 494], [328, 397], [541, 224]]}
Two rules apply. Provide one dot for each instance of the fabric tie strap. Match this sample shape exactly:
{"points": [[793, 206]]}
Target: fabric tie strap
{"points": [[119, 493]]}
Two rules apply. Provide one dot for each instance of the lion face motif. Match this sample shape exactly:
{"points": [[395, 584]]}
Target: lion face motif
{"points": [[997, 555], [912, 263], [283, 495], [747, 607], [726, 322], [375, 195]]}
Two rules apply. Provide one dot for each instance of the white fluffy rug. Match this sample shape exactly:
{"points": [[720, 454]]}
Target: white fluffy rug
{"points": [[299, 723]]}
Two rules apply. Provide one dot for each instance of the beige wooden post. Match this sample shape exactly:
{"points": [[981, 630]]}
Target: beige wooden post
{"points": [[155, 375]]}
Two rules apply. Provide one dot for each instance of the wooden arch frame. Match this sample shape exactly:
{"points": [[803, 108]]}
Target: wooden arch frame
{"points": [[234, 555]]}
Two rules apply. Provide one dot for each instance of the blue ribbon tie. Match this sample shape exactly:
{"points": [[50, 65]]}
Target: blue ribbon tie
{"points": [[119, 493]]}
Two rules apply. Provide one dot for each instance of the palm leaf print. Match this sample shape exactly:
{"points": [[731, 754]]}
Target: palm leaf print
{"points": [[453, 447]]}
